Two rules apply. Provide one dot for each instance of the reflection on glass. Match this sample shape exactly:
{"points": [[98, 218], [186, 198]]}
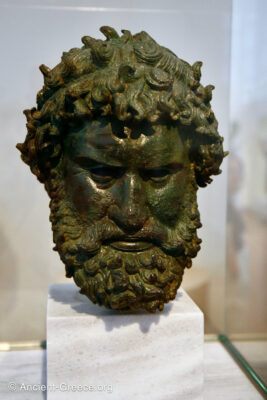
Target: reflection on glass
{"points": [[246, 300]]}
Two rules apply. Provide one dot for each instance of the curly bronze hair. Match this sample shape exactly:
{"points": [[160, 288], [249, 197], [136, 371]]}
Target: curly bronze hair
{"points": [[132, 79]]}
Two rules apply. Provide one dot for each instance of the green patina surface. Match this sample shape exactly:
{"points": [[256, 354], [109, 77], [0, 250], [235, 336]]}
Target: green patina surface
{"points": [[122, 137]]}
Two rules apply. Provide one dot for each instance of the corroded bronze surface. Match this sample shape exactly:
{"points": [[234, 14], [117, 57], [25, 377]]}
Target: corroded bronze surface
{"points": [[122, 137]]}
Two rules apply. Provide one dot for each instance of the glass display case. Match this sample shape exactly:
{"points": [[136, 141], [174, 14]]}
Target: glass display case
{"points": [[228, 278], [246, 276]]}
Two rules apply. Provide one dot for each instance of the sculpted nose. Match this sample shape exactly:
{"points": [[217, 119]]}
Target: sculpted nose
{"points": [[129, 211]]}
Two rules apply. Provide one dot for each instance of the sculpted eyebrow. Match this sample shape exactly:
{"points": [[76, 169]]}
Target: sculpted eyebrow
{"points": [[85, 161], [89, 162], [175, 166]]}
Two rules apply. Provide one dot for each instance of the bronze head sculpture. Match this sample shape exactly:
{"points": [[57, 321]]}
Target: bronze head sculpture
{"points": [[122, 137]]}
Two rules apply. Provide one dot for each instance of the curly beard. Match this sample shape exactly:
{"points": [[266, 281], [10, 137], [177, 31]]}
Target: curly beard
{"points": [[117, 279]]}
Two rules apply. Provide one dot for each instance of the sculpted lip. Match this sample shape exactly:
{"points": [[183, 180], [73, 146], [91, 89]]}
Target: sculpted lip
{"points": [[131, 245]]}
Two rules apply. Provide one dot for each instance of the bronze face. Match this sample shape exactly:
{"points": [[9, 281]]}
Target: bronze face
{"points": [[127, 188], [122, 138], [129, 179]]}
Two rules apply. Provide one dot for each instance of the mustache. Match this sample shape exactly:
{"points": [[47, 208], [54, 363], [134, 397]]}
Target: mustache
{"points": [[106, 231]]}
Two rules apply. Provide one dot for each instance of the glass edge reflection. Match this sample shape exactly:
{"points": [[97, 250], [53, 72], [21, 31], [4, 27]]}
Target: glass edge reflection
{"points": [[243, 363]]}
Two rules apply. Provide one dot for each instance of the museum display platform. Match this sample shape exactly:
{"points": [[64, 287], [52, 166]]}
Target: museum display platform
{"points": [[223, 379], [128, 355]]}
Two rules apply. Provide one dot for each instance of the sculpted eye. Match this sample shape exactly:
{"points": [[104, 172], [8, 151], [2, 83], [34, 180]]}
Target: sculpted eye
{"points": [[100, 173], [155, 174], [105, 174], [161, 174]]}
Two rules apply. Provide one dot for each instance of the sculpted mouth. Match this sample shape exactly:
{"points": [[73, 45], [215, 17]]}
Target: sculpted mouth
{"points": [[131, 245]]}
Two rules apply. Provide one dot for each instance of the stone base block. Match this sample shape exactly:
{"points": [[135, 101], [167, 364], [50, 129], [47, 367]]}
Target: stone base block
{"points": [[95, 353]]}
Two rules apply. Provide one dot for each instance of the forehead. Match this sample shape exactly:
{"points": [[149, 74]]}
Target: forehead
{"points": [[105, 142]]}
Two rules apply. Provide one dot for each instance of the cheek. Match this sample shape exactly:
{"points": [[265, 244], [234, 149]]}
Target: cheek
{"points": [[90, 203], [166, 203]]}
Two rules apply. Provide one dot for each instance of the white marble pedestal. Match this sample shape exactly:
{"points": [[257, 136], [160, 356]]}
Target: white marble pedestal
{"points": [[94, 353]]}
